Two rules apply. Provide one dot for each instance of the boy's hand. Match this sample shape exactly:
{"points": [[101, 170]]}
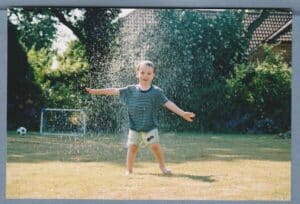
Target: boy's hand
{"points": [[175, 109], [188, 116], [89, 90]]}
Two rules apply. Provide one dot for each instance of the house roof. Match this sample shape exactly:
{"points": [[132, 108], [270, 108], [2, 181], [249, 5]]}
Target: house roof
{"points": [[277, 27], [284, 34]]}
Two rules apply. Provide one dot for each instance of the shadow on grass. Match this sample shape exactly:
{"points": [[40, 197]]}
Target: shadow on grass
{"points": [[208, 179]]}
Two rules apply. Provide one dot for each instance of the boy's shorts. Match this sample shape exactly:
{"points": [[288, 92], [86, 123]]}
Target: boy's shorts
{"points": [[142, 138]]}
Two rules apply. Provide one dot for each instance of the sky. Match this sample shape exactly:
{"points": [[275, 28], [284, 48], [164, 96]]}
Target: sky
{"points": [[124, 12]]}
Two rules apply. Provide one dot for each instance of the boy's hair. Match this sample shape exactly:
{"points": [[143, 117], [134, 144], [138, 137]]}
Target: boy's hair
{"points": [[147, 63]]}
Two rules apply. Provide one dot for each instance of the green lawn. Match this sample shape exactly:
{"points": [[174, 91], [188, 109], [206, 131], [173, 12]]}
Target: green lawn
{"points": [[205, 167]]}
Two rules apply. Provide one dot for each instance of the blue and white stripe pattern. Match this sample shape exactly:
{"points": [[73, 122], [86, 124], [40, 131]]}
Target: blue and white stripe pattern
{"points": [[142, 106]]}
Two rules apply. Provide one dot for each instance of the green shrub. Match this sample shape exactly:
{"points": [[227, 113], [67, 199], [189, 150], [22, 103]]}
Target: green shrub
{"points": [[263, 91], [194, 54]]}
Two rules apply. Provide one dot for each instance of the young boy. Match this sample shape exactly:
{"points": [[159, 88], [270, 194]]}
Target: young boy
{"points": [[143, 100]]}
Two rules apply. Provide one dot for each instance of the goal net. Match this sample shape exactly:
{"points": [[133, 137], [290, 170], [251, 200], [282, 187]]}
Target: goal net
{"points": [[55, 121]]}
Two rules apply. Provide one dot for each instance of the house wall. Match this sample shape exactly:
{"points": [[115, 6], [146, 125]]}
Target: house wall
{"points": [[285, 48]]}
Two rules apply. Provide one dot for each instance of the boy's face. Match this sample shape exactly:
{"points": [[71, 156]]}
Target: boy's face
{"points": [[145, 75]]}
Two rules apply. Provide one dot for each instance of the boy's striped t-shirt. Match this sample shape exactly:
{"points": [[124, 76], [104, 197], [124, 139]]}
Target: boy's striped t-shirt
{"points": [[142, 106]]}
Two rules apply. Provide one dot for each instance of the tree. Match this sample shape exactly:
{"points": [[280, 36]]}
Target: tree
{"points": [[61, 85], [96, 29], [101, 30], [261, 95], [263, 14], [34, 27], [93, 26], [195, 54], [22, 107]]}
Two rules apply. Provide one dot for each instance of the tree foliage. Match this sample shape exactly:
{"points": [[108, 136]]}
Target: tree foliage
{"points": [[61, 85], [74, 58], [261, 94], [95, 28], [197, 57], [101, 30], [35, 27], [195, 53], [23, 90]]}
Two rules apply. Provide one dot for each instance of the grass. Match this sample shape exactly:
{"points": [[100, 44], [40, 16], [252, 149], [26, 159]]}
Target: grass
{"points": [[205, 167]]}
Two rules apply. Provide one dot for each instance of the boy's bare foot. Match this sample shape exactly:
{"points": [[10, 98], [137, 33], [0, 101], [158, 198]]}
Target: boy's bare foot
{"points": [[127, 173], [166, 171]]}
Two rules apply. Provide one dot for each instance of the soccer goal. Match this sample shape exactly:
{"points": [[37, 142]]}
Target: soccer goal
{"points": [[55, 121]]}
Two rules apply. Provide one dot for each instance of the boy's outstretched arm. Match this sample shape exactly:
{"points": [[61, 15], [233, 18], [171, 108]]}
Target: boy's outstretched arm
{"points": [[174, 108], [107, 91]]}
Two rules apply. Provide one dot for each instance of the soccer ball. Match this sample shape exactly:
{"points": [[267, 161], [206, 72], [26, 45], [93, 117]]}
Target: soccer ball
{"points": [[21, 130]]}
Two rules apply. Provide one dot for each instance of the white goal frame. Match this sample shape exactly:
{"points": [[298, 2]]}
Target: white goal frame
{"points": [[43, 132]]}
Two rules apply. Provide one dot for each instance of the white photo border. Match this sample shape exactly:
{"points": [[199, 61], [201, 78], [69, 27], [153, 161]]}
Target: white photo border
{"points": [[291, 4]]}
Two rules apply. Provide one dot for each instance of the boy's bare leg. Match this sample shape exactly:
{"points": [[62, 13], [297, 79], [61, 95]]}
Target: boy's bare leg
{"points": [[131, 155], [158, 153]]}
